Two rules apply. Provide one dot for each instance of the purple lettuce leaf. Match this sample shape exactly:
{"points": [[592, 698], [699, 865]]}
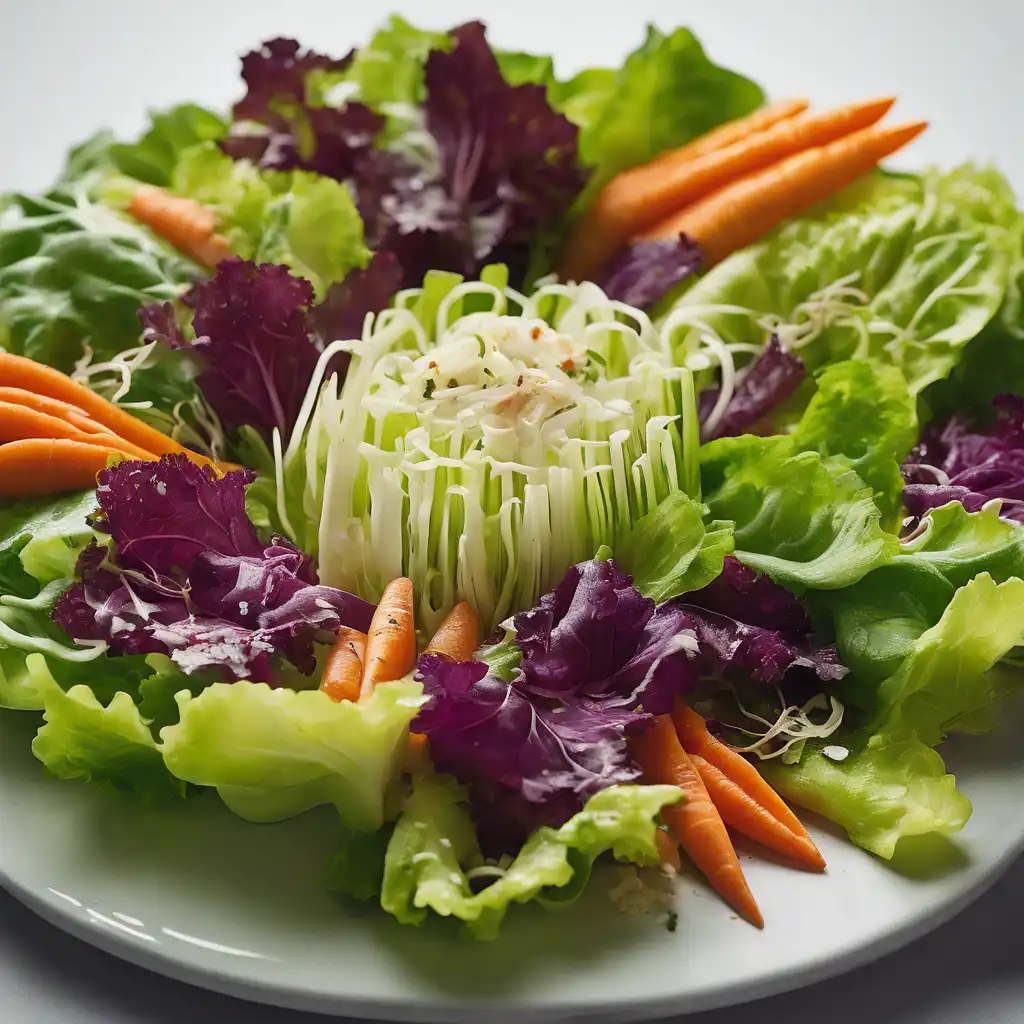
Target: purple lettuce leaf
{"points": [[598, 661], [768, 382], [973, 463], [160, 323], [252, 328], [341, 313], [509, 161], [645, 272], [276, 72], [188, 577], [747, 625]]}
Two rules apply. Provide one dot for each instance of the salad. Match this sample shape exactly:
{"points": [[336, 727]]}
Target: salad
{"points": [[536, 470]]}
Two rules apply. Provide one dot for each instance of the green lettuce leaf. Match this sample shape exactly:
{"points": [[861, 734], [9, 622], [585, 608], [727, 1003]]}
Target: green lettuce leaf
{"points": [[434, 845], [75, 272], [947, 675], [671, 550], [878, 620], [890, 789], [389, 68], [863, 410], [904, 271], [40, 541], [83, 739], [809, 522], [667, 93], [302, 220], [273, 754], [152, 158], [949, 679]]}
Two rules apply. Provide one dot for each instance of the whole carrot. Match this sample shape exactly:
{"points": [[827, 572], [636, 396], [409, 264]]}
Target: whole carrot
{"points": [[187, 224], [744, 814], [643, 197], [696, 739], [343, 670], [52, 407], [733, 131], [19, 423], [26, 374], [695, 822], [600, 232], [744, 211], [458, 636], [40, 466], [391, 641]]}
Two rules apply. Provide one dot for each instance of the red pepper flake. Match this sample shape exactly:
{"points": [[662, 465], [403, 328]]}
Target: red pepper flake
{"points": [[568, 366], [536, 333], [519, 383]]}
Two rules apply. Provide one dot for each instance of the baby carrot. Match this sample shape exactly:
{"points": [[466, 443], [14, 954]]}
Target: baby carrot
{"points": [[457, 637], [187, 224], [695, 822], [52, 407], [391, 641], [644, 196], [343, 671], [39, 466], [743, 813], [732, 132], [20, 423], [745, 210], [20, 372], [601, 231], [696, 739]]}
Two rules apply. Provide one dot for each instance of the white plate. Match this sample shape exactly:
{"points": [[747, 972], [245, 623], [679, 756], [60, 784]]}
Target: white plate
{"points": [[201, 896]]}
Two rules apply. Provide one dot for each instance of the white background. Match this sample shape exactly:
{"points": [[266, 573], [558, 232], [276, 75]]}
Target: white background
{"points": [[68, 67]]}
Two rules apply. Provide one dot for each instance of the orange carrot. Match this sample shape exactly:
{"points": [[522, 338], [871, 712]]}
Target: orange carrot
{"points": [[20, 423], [742, 212], [343, 670], [600, 232], [391, 642], [52, 407], [742, 812], [187, 224], [20, 372], [38, 466], [668, 850], [646, 195], [695, 822], [733, 131], [457, 637], [696, 739]]}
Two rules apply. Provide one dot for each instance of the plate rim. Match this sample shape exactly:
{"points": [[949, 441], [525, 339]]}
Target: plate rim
{"points": [[441, 1010]]}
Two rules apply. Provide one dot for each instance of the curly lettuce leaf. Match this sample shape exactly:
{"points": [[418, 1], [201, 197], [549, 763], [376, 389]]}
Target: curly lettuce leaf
{"points": [[904, 272], [87, 740], [671, 550], [808, 522], [948, 674], [864, 411], [433, 845], [890, 789], [273, 754], [74, 272], [302, 220], [892, 784]]}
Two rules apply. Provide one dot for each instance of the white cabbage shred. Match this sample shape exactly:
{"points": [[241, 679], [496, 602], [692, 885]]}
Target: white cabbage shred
{"points": [[484, 453]]}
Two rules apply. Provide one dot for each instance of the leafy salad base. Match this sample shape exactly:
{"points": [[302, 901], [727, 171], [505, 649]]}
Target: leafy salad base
{"points": [[257, 891]]}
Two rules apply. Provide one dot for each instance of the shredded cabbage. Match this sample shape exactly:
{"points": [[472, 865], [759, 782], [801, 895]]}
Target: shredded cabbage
{"points": [[483, 441]]}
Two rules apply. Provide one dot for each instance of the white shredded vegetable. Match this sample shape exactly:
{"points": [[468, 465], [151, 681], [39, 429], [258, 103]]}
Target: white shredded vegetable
{"points": [[483, 444]]}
